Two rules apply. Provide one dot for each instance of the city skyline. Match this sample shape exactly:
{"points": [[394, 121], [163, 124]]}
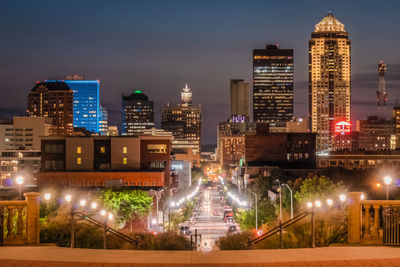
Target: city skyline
{"points": [[207, 66]]}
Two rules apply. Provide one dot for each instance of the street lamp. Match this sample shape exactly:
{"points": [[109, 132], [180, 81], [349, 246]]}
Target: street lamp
{"points": [[342, 197], [82, 202], [318, 204], [68, 198], [388, 181], [93, 205], [47, 196], [329, 202], [255, 202], [20, 181], [103, 213]]}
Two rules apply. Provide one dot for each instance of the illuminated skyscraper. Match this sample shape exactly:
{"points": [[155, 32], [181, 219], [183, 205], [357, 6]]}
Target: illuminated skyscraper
{"points": [[272, 84], [329, 79], [137, 113], [86, 102]]}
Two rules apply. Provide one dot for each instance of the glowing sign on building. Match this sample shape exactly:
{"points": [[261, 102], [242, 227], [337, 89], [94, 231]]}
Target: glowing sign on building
{"points": [[342, 127]]}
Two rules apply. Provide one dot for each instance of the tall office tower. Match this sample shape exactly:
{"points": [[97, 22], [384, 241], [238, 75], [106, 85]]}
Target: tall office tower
{"points": [[86, 102], [103, 121], [54, 100], [381, 94], [184, 122], [137, 113], [272, 84], [239, 98], [329, 79]]}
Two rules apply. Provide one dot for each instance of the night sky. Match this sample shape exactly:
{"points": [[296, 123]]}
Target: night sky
{"points": [[158, 46]]}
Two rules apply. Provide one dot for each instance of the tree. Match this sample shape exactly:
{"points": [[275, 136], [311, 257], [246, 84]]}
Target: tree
{"points": [[318, 187], [247, 219], [127, 204]]}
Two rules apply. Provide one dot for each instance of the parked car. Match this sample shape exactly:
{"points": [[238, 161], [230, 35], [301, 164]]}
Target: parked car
{"points": [[232, 229], [185, 230]]}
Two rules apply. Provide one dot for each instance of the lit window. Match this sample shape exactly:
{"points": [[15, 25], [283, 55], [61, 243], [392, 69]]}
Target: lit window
{"points": [[102, 149], [78, 150], [124, 150], [125, 161], [78, 161]]}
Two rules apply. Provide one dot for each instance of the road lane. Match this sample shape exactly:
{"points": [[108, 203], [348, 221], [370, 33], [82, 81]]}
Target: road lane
{"points": [[209, 222]]}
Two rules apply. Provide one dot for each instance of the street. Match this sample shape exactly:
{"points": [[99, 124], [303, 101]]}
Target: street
{"points": [[209, 221]]}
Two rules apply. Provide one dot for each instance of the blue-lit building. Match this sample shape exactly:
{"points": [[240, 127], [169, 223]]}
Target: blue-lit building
{"points": [[86, 106]]}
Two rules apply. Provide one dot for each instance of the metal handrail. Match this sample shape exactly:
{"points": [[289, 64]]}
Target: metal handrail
{"points": [[109, 229], [278, 228]]}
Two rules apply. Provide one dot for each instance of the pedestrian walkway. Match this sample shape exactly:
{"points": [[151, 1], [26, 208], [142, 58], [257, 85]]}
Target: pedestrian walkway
{"points": [[330, 256]]}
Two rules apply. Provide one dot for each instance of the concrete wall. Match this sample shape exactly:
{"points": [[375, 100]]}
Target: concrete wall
{"points": [[132, 145], [86, 155]]}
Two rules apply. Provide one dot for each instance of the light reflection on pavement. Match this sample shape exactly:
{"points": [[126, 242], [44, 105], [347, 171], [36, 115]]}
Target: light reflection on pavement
{"points": [[209, 223]]}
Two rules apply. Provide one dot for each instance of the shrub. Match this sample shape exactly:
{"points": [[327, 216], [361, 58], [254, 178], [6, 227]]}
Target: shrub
{"points": [[234, 241], [164, 241]]}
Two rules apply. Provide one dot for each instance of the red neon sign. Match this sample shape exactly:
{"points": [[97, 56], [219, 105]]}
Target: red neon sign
{"points": [[342, 127]]}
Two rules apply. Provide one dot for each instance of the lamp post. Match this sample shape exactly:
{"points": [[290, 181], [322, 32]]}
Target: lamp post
{"points": [[388, 181], [291, 201], [68, 198], [20, 181], [255, 201]]}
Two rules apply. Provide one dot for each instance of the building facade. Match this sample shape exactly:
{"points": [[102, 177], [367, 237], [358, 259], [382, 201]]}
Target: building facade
{"points": [[287, 150], [103, 121], [231, 134], [361, 160], [14, 163], [54, 100], [376, 134], [94, 161], [272, 84], [87, 112], [137, 113], [23, 133], [329, 79], [239, 98]]}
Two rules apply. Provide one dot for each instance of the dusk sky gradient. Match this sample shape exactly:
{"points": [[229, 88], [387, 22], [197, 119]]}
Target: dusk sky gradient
{"points": [[158, 46]]}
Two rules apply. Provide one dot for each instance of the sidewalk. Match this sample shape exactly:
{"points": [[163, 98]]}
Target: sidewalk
{"points": [[331, 256]]}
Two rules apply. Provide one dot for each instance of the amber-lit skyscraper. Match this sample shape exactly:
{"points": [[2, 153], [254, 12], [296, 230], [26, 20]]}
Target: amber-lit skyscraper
{"points": [[272, 84], [184, 122], [54, 100], [329, 79]]}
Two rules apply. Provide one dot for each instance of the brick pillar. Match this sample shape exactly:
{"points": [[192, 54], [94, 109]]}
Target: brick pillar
{"points": [[354, 218], [32, 217]]}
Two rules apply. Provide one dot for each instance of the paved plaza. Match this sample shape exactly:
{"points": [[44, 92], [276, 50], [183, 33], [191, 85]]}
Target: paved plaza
{"points": [[330, 256]]}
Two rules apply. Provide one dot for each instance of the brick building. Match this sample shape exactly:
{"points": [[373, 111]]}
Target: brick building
{"points": [[287, 150]]}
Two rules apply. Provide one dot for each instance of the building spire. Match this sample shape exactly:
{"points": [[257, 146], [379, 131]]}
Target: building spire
{"points": [[186, 96]]}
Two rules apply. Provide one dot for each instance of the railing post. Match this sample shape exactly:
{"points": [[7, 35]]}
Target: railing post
{"points": [[366, 221], [354, 218], [32, 217], [375, 233]]}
